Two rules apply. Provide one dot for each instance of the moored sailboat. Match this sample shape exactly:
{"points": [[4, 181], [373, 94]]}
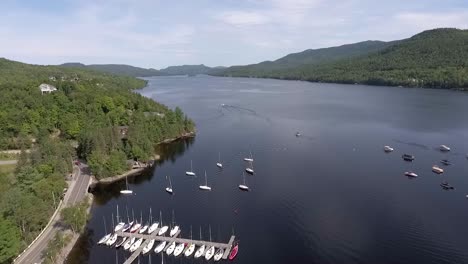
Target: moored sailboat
{"points": [[205, 187], [190, 173]]}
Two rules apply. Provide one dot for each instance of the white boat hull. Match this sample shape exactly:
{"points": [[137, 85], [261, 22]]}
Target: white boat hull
{"points": [[178, 250], [171, 248], [219, 165], [148, 246], [143, 229], [249, 170], [163, 230], [136, 245], [218, 255], [119, 226], [248, 159], [104, 239], [209, 253], [190, 250], [160, 247], [126, 191], [169, 190], [174, 231], [153, 228], [243, 187], [200, 251], [205, 188], [190, 173]]}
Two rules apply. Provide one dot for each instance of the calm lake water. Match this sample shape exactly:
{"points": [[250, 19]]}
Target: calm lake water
{"points": [[329, 196]]}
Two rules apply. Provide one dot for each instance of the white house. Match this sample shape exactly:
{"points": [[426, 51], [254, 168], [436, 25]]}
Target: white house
{"points": [[47, 88]]}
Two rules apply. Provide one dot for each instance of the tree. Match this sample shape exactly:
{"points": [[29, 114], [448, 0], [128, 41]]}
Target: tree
{"points": [[9, 240]]}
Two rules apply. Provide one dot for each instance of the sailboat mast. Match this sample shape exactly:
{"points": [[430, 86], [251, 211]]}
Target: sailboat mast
{"points": [[151, 217], [105, 227], [117, 213], [206, 180]]}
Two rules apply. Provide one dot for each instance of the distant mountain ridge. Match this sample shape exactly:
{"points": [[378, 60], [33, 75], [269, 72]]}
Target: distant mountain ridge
{"points": [[435, 58], [127, 70], [118, 69]]}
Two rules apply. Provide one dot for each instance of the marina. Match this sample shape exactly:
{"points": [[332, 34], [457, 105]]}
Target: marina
{"points": [[147, 238]]}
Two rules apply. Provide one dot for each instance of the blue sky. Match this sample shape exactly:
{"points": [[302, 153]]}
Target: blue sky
{"points": [[157, 34]]}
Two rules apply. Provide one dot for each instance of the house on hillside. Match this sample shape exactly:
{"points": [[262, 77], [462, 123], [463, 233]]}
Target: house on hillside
{"points": [[47, 88]]}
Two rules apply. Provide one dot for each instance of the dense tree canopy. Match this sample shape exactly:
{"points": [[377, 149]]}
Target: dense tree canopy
{"points": [[435, 58], [97, 112]]}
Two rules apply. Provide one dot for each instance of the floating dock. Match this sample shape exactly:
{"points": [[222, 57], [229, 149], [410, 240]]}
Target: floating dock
{"points": [[227, 247]]}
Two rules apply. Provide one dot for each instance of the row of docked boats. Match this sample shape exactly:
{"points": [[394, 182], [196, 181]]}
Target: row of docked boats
{"points": [[435, 168], [170, 248]]}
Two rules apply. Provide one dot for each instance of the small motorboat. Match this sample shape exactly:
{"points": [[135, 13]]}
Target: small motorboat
{"points": [[160, 247], [437, 169], [112, 240], [136, 245], [250, 158], [120, 243], [153, 228], [129, 243], [298, 134], [408, 157], [119, 226], [171, 248], [233, 253], [444, 148], [174, 231], [387, 149], [210, 253], [446, 162], [143, 229], [218, 255], [127, 226], [135, 228], [104, 239], [163, 230], [179, 249], [190, 250], [249, 170], [200, 251], [445, 185], [148, 246], [411, 174]]}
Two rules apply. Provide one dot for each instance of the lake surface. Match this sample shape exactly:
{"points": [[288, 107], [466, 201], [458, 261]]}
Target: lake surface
{"points": [[329, 196]]}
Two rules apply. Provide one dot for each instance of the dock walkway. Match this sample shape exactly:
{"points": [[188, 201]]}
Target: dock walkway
{"points": [[227, 247]]}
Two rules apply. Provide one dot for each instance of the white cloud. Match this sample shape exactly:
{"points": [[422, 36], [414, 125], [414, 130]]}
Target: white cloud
{"points": [[421, 21], [242, 18]]}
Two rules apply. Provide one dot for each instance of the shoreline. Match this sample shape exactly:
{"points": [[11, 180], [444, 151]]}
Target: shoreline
{"points": [[135, 171]]}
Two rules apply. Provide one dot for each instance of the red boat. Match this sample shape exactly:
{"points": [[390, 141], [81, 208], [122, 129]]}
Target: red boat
{"points": [[233, 253]]}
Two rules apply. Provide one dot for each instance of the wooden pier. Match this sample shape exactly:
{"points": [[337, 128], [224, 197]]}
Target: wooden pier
{"points": [[227, 247]]}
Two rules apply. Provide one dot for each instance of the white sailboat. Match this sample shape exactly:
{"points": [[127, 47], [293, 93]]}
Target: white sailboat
{"points": [[120, 225], [129, 243], [244, 186], [190, 173], [211, 250], [219, 164], [136, 245], [169, 188], [153, 226], [127, 190], [179, 248], [160, 247], [250, 159], [174, 229], [205, 187], [201, 249], [163, 229], [250, 169], [112, 240], [219, 254], [171, 248], [190, 247], [148, 246]]}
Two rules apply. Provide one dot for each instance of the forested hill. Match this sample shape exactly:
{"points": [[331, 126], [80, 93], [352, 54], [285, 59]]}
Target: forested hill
{"points": [[186, 70], [307, 57], [94, 110], [435, 58], [118, 69]]}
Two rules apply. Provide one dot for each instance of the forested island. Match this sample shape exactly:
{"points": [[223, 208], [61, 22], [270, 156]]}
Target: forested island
{"points": [[434, 59], [57, 114]]}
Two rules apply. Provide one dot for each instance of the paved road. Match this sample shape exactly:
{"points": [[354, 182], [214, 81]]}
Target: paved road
{"points": [[8, 162], [77, 190]]}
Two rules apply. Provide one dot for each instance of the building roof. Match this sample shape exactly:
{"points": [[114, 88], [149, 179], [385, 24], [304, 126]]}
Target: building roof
{"points": [[47, 88]]}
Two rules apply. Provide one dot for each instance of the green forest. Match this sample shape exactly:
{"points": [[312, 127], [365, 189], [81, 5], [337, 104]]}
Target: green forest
{"points": [[434, 59], [92, 115]]}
